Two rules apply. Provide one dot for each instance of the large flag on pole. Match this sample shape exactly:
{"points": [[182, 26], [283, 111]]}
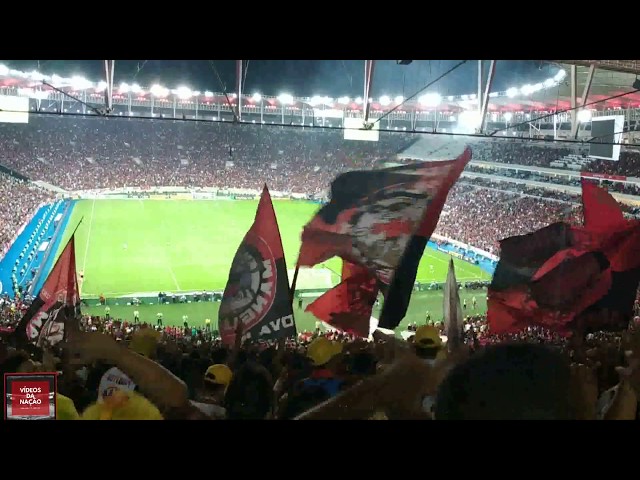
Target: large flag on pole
{"points": [[381, 220], [257, 292], [452, 310], [55, 309], [348, 305], [560, 276]]}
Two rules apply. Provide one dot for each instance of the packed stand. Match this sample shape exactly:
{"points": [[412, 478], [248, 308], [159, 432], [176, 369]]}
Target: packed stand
{"points": [[525, 153], [128, 371], [628, 165], [481, 217], [84, 153], [18, 202], [574, 181]]}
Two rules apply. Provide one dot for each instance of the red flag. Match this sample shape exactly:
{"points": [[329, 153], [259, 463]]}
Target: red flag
{"points": [[44, 321], [559, 274], [381, 220], [257, 292], [600, 209], [348, 305]]}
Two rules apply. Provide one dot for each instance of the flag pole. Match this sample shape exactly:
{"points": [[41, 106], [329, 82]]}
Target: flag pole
{"points": [[292, 292]]}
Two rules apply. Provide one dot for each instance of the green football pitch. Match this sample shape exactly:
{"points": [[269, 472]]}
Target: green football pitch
{"points": [[136, 247]]}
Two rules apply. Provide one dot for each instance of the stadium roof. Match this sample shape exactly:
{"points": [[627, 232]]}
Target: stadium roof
{"points": [[552, 94]]}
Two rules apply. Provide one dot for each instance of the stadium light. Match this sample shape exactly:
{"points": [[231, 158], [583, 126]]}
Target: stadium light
{"points": [[80, 83], [256, 97], [183, 93], [430, 99], [399, 99], [4, 70], [36, 76], [560, 75], [56, 80], [508, 116], [343, 100], [101, 87], [315, 100], [285, 99], [527, 89], [327, 101], [359, 100], [124, 88], [384, 100], [158, 91], [512, 92], [208, 94], [135, 88], [584, 116]]}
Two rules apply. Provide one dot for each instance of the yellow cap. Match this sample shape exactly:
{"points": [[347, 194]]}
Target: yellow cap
{"points": [[65, 409], [123, 405], [427, 337], [218, 374], [145, 341], [321, 350]]}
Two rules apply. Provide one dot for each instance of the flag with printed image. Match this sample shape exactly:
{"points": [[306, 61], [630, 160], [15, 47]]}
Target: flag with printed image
{"points": [[382, 220], [257, 292], [56, 309]]}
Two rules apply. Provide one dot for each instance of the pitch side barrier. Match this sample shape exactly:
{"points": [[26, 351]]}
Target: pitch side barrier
{"points": [[184, 193]]}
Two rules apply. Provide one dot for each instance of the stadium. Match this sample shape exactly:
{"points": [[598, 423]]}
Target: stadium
{"points": [[162, 194]]}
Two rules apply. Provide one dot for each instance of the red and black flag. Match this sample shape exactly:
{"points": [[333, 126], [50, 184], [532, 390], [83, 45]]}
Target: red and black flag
{"points": [[562, 277], [257, 292], [56, 308], [348, 305], [381, 220]]}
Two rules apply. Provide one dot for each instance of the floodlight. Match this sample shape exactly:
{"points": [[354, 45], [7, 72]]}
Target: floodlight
{"points": [[285, 98], [385, 100], [584, 116]]}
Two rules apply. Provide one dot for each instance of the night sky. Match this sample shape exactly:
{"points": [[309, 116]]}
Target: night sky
{"points": [[303, 78]]}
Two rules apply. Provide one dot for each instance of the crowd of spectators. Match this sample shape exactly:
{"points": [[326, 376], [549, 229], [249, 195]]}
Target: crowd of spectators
{"points": [[187, 373], [524, 153], [481, 217], [573, 181], [18, 201], [84, 153]]}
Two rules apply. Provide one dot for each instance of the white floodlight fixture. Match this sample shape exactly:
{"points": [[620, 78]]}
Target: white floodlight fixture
{"points": [[430, 99], [344, 100], [285, 98], [80, 83], [135, 88], [159, 91], [208, 94], [584, 116], [399, 99], [124, 88], [512, 92], [4, 70], [385, 100], [508, 116], [183, 93], [102, 86], [315, 100], [527, 89], [256, 97]]}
